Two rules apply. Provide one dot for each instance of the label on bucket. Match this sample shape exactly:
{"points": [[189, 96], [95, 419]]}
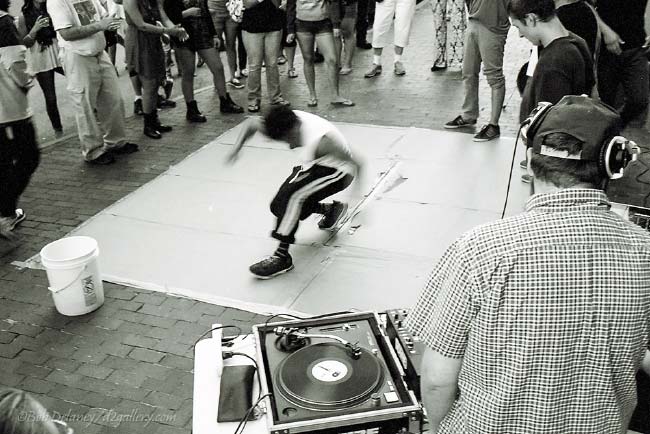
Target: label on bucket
{"points": [[90, 296]]}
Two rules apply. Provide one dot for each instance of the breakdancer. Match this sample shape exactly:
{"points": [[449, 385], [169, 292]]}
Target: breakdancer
{"points": [[327, 167]]}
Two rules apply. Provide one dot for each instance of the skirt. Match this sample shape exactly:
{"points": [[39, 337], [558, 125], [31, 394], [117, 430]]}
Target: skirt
{"points": [[41, 59], [144, 54]]}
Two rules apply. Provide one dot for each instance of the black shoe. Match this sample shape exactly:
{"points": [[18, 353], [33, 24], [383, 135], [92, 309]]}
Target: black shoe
{"points": [[165, 103], [364, 45], [435, 68], [335, 212], [318, 58], [271, 266], [459, 122], [126, 148], [193, 114], [137, 107], [150, 127], [227, 105], [103, 160], [488, 132]]}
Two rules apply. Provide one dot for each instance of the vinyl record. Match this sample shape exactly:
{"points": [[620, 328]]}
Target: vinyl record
{"points": [[325, 376]]}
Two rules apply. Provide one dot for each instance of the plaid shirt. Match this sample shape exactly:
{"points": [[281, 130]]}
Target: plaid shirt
{"points": [[550, 310]]}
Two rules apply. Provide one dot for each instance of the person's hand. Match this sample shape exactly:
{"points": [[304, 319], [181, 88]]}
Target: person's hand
{"points": [[40, 23], [337, 33], [290, 38], [613, 42], [193, 12], [111, 23], [178, 33], [217, 42]]}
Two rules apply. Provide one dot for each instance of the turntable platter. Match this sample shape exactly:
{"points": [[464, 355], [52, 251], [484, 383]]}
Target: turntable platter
{"points": [[324, 376]]}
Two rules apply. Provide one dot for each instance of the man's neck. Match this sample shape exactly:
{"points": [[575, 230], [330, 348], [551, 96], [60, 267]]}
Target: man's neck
{"points": [[553, 29], [543, 187]]}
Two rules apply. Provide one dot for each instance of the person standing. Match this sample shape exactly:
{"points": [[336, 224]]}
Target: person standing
{"points": [[262, 29], [39, 37], [400, 12], [365, 9], [485, 40], [225, 26], [195, 18], [623, 64], [538, 323], [345, 42], [449, 22], [145, 55], [317, 22], [92, 81], [19, 153]]}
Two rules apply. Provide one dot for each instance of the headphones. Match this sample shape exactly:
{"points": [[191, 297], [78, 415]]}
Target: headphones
{"points": [[596, 119]]}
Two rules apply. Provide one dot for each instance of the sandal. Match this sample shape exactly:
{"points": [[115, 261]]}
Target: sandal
{"points": [[254, 107], [342, 103], [292, 73], [313, 102]]}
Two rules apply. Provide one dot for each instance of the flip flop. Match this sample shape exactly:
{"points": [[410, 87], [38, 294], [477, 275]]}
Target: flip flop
{"points": [[313, 102], [343, 103]]}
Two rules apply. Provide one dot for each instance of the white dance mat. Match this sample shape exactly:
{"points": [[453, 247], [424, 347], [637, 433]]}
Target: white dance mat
{"points": [[194, 230]]}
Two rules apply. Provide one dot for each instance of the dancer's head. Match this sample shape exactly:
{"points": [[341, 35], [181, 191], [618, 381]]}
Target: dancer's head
{"points": [[281, 123], [21, 413]]}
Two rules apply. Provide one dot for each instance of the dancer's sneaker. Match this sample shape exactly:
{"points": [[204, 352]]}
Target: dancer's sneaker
{"points": [[335, 212], [7, 224], [271, 266]]}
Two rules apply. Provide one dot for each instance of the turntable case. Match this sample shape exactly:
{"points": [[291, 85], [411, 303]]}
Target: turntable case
{"points": [[236, 392]]}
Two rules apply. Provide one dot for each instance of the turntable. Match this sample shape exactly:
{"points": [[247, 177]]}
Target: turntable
{"points": [[333, 375]]}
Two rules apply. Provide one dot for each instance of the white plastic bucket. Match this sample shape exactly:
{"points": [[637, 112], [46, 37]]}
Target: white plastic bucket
{"points": [[73, 273]]}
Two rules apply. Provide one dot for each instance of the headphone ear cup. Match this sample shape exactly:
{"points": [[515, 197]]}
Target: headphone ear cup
{"points": [[530, 126], [615, 155]]}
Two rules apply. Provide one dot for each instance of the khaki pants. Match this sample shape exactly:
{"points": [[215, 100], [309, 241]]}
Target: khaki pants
{"points": [[97, 102], [481, 46]]}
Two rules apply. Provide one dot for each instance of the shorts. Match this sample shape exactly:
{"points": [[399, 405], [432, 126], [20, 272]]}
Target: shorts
{"points": [[201, 33], [314, 27]]}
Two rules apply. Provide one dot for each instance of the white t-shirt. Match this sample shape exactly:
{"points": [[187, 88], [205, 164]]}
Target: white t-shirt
{"points": [[312, 130], [73, 13]]}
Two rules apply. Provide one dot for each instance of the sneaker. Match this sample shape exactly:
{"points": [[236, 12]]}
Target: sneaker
{"points": [[436, 68], [526, 178], [137, 107], [373, 71], [488, 132], [398, 68], [271, 266], [523, 164], [459, 122], [8, 224], [234, 82], [335, 212], [103, 160]]}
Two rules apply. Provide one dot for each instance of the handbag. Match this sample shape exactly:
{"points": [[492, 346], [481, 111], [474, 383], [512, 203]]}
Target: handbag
{"points": [[235, 9]]}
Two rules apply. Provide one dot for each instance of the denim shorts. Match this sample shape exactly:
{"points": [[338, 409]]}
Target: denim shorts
{"points": [[314, 27]]}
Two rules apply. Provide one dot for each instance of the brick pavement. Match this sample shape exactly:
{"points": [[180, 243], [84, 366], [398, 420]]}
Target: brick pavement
{"points": [[133, 357]]}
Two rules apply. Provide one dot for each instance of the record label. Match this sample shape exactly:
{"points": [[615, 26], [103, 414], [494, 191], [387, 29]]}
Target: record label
{"points": [[328, 371]]}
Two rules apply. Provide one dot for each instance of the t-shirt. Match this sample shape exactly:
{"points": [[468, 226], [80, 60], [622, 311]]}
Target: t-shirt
{"points": [[580, 19], [565, 67], [493, 14], [74, 13], [626, 18], [262, 18]]}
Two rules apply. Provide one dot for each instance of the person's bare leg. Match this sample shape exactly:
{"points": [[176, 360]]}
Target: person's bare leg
{"points": [[290, 54], [349, 43], [306, 43], [213, 60], [326, 45]]}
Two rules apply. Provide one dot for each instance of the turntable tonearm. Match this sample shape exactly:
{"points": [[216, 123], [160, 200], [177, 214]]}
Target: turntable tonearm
{"points": [[333, 375]]}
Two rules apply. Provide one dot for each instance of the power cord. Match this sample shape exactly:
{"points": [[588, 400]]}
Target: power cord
{"points": [[244, 420], [512, 168], [218, 328]]}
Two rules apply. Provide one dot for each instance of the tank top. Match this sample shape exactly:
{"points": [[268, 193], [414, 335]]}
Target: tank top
{"points": [[312, 129]]}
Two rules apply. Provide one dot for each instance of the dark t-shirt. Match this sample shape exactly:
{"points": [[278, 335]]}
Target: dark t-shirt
{"points": [[262, 18], [565, 67], [580, 19], [626, 18]]}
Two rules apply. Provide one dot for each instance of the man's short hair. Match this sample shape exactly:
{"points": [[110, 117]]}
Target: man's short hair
{"points": [[562, 172], [4, 5], [279, 121], [544, 9]]}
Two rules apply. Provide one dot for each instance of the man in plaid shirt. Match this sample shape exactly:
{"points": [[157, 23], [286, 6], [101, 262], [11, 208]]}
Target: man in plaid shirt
{"points": [[539, 322]]}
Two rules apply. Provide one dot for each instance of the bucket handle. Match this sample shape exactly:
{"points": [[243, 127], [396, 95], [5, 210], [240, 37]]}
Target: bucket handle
{"points": [[55, 290]]}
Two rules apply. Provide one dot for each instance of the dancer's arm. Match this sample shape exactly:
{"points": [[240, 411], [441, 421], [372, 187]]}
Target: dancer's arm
{"points": [[251, 126]]}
